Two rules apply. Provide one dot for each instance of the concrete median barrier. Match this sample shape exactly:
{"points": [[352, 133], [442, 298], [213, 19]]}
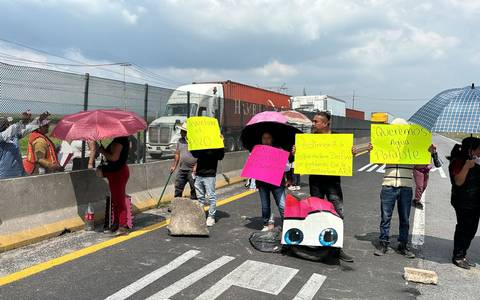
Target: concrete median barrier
{"points": [[39, 207]]}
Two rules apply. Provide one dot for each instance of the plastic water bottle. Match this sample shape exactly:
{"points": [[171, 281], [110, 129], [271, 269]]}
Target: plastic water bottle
{"points": [[89, 218]]}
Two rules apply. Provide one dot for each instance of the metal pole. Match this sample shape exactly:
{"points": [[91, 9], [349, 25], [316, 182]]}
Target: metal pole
{"points": [[85, 108], [145, 116], [125, 65], [188, 104], [218, 110]]}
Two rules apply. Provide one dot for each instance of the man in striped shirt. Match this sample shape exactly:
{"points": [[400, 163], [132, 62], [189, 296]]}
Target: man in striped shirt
{"points": [[397, 187]]}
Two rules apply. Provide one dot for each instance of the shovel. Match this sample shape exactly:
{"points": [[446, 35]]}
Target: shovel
{"points": [[163, 192]]}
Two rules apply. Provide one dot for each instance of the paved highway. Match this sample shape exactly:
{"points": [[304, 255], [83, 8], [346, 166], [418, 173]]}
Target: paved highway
{"points": [[150, 264]]}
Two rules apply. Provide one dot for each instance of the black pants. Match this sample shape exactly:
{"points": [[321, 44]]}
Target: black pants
{"points": [[326, 189], [295, 178], [467, 225], [184, 176]]}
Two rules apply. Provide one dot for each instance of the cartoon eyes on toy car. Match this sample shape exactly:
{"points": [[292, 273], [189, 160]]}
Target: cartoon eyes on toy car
{"points": [[328, 237], [293, 236]]}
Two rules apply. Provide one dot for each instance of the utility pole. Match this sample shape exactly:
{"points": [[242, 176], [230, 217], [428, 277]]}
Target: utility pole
{"points": [[125, 65], [353, 100]]}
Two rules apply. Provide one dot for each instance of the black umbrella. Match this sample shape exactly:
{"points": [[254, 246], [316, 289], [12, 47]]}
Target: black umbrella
{"points": [[283, 134]]}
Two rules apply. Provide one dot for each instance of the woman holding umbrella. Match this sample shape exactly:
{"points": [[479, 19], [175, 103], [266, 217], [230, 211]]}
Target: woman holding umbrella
{"points": [[264, 190], [116, 171], [104, 124], [269, 128]]}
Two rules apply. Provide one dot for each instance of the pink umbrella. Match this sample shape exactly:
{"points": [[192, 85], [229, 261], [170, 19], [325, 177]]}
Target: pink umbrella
{"points": [[268, 116], [99, 124]]}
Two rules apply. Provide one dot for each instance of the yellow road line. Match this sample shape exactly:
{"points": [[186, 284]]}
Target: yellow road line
{"points": [[97, 247]]}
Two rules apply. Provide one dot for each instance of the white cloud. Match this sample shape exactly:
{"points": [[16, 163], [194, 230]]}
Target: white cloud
{"points": [[468, 6], [117, 8], [276, 69], [308, 20], [402, 45], [273, 72], [129, 17]]}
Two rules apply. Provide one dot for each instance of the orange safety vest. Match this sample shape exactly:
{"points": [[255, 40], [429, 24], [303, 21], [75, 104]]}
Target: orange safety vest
{"points": [[30, 161]]}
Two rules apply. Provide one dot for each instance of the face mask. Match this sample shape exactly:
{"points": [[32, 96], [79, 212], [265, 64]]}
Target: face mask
{"points": [[477, 159]]}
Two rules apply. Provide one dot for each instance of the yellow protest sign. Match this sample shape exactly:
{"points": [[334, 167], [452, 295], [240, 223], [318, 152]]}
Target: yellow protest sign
{"points": [[400, 144], [203, 133], [324, 154]]}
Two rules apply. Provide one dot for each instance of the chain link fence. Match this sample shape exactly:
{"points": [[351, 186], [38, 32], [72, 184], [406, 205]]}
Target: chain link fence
{"points": [[24, 88], [60, 93]]}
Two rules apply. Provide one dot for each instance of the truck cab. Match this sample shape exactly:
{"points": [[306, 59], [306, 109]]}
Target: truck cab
{"points": [[163, 134]]}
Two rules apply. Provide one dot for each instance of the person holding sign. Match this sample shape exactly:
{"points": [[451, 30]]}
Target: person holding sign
{"points": [[397, 184], [205, 143], [325, 186], [265, 188], [205, 179], [465, 178]]}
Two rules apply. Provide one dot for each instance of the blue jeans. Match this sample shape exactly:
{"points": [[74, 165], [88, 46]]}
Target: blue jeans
{"points": [[205, 188], [389, 196], [278, 195]]}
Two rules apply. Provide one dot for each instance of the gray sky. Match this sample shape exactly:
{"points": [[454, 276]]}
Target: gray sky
{"points": [[396, 55]]}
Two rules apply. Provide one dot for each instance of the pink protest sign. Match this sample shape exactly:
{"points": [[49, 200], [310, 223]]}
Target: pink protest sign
{"points": [[266, 164]]}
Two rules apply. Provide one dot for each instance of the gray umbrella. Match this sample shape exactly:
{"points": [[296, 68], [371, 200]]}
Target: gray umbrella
{"points": [[455, 110]]}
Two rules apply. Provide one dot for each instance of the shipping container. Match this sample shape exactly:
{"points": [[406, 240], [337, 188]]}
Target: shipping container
{"points": [[319, 103], [354, 114], [238, 91]]}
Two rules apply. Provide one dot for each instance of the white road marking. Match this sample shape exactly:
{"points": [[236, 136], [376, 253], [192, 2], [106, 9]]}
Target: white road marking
{"points": [[418, 230], [381, 169], [310, 288], [253, 275], [155, 275], [188, 280], [364, 168], [441, 171], [372, 168]]}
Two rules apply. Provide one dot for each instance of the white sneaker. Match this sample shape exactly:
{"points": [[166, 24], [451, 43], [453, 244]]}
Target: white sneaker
{"points": [[297, 188], [210, 221], [291, 188]]}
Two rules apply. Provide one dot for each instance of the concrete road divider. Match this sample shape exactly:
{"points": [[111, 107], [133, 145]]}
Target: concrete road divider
{"points": [[39, 207]]}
